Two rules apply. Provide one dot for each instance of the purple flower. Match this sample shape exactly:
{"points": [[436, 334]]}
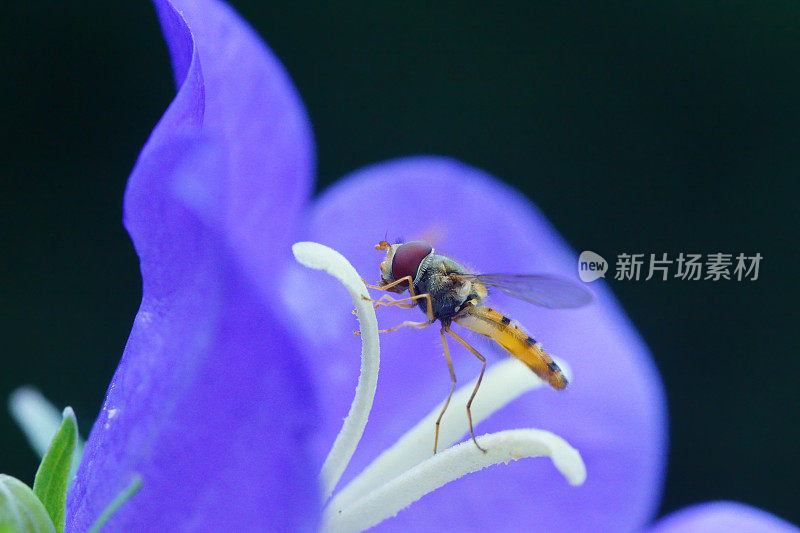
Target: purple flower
{"points": [[241, 363], [721, 517]]}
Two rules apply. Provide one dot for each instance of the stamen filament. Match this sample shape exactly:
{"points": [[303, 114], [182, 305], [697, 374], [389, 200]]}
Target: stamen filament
{"points": [[321, 257], [503, 382], [451, 464]]}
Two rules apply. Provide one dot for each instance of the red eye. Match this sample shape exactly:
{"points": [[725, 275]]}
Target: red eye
{"points": [[408, 257]]}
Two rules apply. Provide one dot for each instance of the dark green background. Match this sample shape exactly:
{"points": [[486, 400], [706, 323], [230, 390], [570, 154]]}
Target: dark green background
{"points": [[655, 127]]}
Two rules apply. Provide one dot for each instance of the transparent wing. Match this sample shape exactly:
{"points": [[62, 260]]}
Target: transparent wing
{"points": [[540, 289]]}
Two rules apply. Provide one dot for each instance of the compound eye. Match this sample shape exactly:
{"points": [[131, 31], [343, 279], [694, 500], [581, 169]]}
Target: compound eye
{"points": [[408, 257]]}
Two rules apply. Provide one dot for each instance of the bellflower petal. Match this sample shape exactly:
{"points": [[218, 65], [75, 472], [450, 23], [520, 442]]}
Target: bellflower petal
{"points": [[210, 401], [251, 106], [722, 517], [614, 411]]}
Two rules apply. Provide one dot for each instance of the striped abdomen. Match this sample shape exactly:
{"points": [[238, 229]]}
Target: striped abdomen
{"points": [[507, 334]]}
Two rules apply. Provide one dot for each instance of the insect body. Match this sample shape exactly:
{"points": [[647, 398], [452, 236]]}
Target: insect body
{"points": [[510, 336], [448, 292]]}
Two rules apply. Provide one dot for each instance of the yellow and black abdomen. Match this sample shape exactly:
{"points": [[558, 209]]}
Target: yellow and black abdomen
{"points": [[507, 334]]}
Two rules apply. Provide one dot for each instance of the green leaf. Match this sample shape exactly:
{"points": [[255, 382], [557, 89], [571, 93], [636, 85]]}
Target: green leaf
{"points": [[52, 478], [39, 420], [20, 509]]}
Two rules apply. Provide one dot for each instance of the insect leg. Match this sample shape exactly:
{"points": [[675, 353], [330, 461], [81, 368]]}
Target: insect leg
{"points": [[410, 281], [428, 310], [469, 347], [388, 286], [391, 301], [453, 377], [418, 325]]}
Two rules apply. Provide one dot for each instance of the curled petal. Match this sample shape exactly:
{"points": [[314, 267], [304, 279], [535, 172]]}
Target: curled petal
{"points": [[450, 465], [315, 255], [250, 106], [211, 402]]}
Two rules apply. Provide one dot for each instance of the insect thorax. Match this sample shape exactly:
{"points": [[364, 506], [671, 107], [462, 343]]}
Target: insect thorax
{"points": [[438, 276]]}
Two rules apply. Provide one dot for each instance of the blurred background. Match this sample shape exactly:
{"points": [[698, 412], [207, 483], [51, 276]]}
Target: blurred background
{"points": [[636, 127]]}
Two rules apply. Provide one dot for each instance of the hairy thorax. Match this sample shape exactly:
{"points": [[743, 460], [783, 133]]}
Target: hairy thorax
{"points": [[440, 277]]}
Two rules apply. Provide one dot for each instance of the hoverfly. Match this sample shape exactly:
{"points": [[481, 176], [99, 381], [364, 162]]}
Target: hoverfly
{"points": [[445, 291]]}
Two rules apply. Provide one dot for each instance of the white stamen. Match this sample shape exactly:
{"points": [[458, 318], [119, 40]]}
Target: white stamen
{"points": [[450, 465], [321, 257], [39, 420], [504, 382]]}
